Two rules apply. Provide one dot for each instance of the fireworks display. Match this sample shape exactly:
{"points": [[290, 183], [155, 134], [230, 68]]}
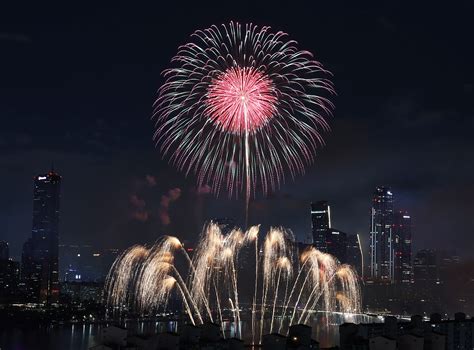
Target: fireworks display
{"points": [[242, 107], [288, 285]]}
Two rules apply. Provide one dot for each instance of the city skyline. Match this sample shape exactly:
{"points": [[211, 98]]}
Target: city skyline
{"points": [[364, 236], [389, 258]]}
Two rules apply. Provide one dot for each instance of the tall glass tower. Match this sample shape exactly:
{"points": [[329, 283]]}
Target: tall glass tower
{"points": [[320, 223], [40, 252], [381, 268], [403, 243], [355, 257]]}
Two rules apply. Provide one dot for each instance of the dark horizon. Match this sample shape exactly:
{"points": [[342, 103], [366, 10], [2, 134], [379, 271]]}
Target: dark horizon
{"points": [[78, 86]]}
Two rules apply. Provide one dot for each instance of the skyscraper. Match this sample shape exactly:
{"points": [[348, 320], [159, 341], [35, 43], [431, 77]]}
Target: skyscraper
{"points": [[9, 275], [9, 272], [320, 223], [40, 252], [403, 243], [425, 268], [336, 244], [381, 250], [4, 251], [354, 254]]}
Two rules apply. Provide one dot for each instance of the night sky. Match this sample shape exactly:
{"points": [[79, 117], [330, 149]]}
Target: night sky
{"points": [[77, 85]]}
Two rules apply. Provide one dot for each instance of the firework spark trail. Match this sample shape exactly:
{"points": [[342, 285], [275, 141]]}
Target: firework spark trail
{"points": [[313, 301], [219, 309], [205, 259], [350, 288], [252, 235], [275, 299], [304, 258], [203, 294], [241, 106], [313, 276], [167, 287], [285, 265], [254, 304], [154, 269], [187, 293], [275, 245], [349, 296], [122, 274], [144, 278], [284, 302], [186, 304], [248, 187], [232, 243], [330, 266]]}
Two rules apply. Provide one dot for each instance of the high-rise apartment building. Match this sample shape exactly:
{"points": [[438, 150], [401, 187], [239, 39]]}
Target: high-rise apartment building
{"points": [[320, 223], [403, 247], [381, 263], [425, 268]]}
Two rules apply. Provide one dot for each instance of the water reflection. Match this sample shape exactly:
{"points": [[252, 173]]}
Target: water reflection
{"points": [[84, 336]]}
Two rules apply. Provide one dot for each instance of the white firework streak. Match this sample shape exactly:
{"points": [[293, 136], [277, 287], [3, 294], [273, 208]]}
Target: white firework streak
{"points": [[286, 282]]}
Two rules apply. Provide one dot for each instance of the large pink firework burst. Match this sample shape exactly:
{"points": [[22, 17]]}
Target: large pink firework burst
{"points": [[241, 100], [242, 107]]}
